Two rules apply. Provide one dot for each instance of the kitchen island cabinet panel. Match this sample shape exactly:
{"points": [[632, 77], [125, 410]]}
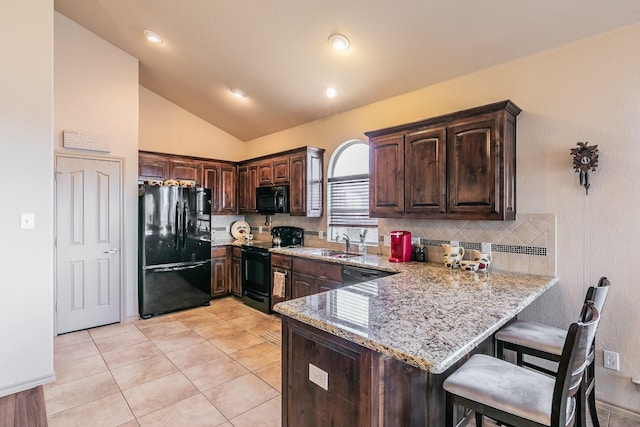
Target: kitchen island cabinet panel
{"points": [[345, 398]]}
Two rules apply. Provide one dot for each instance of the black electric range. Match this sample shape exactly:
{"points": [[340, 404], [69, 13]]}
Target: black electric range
{"points": [[256, 266]]}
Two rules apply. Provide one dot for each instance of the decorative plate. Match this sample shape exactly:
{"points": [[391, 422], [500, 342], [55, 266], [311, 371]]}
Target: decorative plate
{"points": [[239, 229]]}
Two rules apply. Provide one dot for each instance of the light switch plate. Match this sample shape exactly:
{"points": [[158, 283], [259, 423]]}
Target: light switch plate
{"points": [[27, 221], [318, 377]]}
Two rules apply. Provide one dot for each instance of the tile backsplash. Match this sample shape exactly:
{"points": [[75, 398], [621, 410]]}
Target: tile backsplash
{"points": [[526, 245]]}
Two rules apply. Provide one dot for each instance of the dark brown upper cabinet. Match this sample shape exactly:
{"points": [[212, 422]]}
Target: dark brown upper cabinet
{"points": [[301, 168], [457, 166]]}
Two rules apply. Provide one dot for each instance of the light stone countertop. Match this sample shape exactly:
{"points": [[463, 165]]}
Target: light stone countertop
{"points": [[427, 316]]}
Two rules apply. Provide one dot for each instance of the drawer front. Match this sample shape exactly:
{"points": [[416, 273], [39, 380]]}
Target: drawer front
{"points": [[282, 261], [237, 252], [218, 251], [318, 268]]}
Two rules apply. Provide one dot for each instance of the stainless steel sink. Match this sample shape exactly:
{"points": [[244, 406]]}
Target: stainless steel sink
{"points": [[334, 254]]}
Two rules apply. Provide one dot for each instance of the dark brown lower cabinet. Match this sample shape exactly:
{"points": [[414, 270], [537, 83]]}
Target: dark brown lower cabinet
{"points": [[236, 272], [363, 387], [220, 271]]}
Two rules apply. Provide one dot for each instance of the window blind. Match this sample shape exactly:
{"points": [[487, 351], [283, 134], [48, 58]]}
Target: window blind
{"points": [[349, 202]]}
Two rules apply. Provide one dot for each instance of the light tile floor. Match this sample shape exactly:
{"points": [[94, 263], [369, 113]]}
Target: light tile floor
{"points": [[209, 366]]}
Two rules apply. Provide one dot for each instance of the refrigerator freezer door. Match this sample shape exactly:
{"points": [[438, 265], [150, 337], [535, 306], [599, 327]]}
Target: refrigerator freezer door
{"points": [[174, 287]]}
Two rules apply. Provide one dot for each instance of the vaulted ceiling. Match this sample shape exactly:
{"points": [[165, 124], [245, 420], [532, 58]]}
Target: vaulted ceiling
{"points": [[276, 51]]}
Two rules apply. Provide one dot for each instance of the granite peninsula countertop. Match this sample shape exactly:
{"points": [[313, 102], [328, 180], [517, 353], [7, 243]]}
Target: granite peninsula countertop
{"points": [[427, 316]]}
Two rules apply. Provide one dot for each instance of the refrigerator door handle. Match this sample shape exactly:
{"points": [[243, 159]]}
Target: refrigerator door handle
{"points": [[184, 225], [181, 268], [111, 251]]}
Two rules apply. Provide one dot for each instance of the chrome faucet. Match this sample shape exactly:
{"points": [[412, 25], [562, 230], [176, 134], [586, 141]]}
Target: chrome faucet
{"points": [[347, 243]]}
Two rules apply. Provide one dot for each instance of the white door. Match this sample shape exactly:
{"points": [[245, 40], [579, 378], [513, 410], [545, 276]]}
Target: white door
{"points": [[87, 242]]}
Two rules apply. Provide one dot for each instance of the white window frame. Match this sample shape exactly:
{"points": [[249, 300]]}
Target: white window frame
{"points": [[370, 224]]}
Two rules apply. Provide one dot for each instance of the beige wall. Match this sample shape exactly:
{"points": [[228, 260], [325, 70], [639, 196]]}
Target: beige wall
{"points": [[167, 128], [586, 91], [26, 170], [96, 93]]}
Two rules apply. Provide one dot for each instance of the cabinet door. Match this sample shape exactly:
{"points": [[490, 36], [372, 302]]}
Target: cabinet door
{"points": [[265, 172], [386, 176], [298, 185], [152, 167], [425, 180], [219, 282], [227, 189], [303, 285], [281, 170], [211, 180], [185, 169], [287, 285], [243, 189], [252, 184], [474, 181], [236, 273]]}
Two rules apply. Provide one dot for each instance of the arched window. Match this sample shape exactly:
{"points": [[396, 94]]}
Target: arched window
{"points": [[348, 194]]}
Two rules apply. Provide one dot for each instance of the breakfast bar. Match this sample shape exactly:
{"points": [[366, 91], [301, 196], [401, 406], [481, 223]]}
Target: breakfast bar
{"points": [[376, 353]]}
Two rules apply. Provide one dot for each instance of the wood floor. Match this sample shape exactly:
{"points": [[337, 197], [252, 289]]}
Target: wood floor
{"points": [[24, 409]]}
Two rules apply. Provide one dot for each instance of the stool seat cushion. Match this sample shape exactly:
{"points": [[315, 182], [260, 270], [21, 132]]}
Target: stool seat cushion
{"points": [[505, 386], [534, 335]]}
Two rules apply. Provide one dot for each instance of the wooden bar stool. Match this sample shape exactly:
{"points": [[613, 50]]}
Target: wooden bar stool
{"points": [[543, 341], [521, 397]]}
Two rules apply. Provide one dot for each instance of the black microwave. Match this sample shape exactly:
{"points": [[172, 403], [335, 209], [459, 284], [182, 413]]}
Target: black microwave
{"points": [[272, 200]]}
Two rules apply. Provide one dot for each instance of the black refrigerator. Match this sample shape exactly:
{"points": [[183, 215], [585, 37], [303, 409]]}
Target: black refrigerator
{"points": [[174, 249]]}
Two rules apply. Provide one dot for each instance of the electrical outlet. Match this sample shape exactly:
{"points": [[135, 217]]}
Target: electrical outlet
{"points": [[260, 229], [611, 360], [485, 248], [415, 240], [454, 243], [387, 241], [318, 376], [320, 234]]}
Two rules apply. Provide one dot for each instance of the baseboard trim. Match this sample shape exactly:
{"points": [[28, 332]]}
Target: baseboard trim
{"points": [[27, 385], [618, 411]]}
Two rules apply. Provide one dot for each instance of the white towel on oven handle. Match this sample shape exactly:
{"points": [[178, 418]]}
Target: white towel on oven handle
{"points": [[279, 284]]}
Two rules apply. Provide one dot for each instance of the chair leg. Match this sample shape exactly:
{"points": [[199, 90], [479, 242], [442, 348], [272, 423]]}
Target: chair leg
{"points": [[479, 419], [449, 411], [591, 398]]}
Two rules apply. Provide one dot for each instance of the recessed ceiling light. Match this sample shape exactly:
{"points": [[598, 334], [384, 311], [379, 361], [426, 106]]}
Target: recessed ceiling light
{"points": [[331, 92], [238, 93], [152, 36], [339, 42]]}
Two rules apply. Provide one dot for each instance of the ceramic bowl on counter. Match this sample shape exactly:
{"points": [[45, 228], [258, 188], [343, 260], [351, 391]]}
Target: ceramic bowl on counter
{"points": [[469, 265]]}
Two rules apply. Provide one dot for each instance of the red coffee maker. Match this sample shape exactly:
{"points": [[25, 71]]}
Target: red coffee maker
{"points": [[400, 246]]}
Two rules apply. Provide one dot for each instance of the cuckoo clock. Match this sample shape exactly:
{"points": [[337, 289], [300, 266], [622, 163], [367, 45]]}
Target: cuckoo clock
{"points": [[585, 159]]}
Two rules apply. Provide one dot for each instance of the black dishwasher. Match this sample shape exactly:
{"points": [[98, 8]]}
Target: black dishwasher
{"points": [[352, 274]]}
